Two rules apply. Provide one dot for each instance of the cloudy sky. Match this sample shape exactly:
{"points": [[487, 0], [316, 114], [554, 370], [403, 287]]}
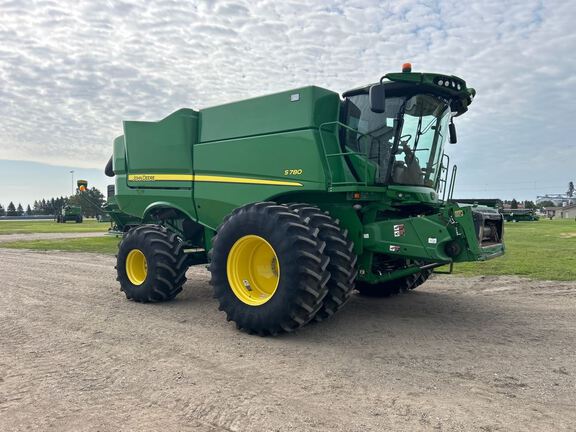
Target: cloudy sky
{"points": [[70, 72]]}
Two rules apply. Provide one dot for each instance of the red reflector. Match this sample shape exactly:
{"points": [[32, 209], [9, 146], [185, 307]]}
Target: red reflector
{"points": [[407, 67]]}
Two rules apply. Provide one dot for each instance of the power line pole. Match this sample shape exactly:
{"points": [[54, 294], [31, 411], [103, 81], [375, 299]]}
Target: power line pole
{"points": [[72, 172]]}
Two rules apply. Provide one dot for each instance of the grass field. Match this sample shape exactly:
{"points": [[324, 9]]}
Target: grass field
{"points": [[105, 245], [31, 226], [538, 250]]}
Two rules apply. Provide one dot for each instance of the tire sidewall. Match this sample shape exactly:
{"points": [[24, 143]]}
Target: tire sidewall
{"points": [[129, 243], [287, 290]]}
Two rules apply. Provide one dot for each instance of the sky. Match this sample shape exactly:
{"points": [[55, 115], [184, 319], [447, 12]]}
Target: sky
{"points": [[71, 71]]}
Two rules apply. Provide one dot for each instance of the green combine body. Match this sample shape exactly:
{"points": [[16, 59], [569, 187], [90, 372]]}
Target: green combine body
{"points": [[120, 222], [70, 213], [301, 196]]}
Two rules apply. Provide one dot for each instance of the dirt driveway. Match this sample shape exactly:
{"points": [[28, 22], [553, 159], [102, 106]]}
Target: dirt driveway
{"points": [[48, 236], [458, 354]]}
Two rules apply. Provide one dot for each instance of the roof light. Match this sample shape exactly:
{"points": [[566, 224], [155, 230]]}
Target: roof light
{"points": [[407, 67]]}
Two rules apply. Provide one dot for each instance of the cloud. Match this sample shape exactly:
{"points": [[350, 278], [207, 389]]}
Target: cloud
{"points": [[70, 72]]}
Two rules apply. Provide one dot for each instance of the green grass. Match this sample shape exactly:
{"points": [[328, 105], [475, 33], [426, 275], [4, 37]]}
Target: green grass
{"points": [[537, 250], [104, 245], [31, 226]]}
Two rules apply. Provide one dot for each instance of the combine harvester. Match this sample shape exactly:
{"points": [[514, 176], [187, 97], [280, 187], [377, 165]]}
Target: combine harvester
{"points": [[69, 213], [297, 198], [519, 215]]}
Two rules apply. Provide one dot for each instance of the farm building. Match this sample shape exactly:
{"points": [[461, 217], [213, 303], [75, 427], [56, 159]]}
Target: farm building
{"points": [[566, 212]]}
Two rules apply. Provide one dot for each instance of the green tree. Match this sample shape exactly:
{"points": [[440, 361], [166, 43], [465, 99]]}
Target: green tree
{"points": [[51, 206], [28, 210], [547, 204], [19, 210], [2, 211], [514, 204], [11, 210], [529, 205], [570, 191]]}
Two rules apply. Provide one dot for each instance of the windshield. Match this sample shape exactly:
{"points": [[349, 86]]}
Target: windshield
{"points": [[405, 143]]}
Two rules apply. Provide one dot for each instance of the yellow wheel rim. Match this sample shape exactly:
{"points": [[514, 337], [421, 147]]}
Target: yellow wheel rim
{"points": [[253, 270], [136, 267]]}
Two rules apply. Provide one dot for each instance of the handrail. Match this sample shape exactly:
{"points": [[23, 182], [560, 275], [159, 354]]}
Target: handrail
{"points": [[342, 154], [444, 181], [452, 182]]}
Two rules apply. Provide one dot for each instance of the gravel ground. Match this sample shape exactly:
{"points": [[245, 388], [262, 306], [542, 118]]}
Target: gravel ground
{"points": [[482, 354], [48, 236]]}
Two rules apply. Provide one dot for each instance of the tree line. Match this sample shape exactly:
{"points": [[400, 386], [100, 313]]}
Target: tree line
{"points": [[514, 204], [90, 200]]}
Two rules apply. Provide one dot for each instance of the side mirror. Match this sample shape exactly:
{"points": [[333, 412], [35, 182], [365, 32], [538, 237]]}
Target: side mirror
{"points": [[377, 97], [452, 131]]}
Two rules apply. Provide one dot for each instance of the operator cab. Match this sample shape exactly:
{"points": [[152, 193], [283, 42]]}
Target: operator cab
{"points": [[403, 137]]}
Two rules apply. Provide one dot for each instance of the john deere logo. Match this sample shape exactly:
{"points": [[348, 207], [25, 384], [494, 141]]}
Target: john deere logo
{"points": [[142, 177]]}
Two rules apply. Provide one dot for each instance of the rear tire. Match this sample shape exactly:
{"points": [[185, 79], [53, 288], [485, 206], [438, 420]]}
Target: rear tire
{"points": [[151, 264], [342, 265], [268, 269]]}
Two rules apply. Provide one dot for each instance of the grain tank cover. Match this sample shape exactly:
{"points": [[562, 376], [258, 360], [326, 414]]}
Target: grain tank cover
{"points": [[302, 108], [164, 146]]}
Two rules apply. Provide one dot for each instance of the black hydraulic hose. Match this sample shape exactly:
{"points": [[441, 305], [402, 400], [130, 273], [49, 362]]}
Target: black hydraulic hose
{"points": [[108, 170]]}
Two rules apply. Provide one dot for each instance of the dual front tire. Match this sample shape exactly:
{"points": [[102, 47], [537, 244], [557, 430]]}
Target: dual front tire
{"points": [[271, 268]]}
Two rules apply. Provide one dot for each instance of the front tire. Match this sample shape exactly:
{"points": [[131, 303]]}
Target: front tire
{"points": [[268, 269], [339, 249], [151, 264]]}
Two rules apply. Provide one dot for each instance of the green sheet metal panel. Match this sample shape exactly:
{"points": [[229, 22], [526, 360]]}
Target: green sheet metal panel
{"points": [[119, 156], [163, 147], [268, 165], [306, 107]]}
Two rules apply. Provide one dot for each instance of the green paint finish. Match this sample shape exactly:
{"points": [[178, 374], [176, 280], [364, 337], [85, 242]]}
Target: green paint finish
{"points": [[140, 201], [286, 147], [121, 221], [161, 147], [119, 156], [71, 210], [411, 195], [289, 156], [302, 108], [413, 237], [70, 213]]}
